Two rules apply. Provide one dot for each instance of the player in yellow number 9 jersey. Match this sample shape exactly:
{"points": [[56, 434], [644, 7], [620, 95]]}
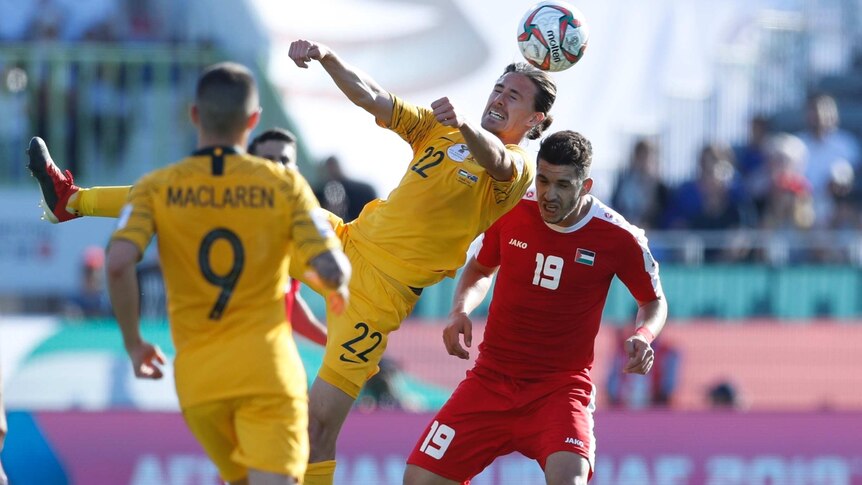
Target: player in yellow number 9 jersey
{"points": [[228, 224]]}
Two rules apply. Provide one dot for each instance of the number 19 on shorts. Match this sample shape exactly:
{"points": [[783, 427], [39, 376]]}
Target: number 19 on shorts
{"points": [[437, 441]]}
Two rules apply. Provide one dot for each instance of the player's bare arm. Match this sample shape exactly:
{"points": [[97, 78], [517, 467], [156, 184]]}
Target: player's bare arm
{"points": [[649, 322], [486, 148], [125, 298], [333, 274], [472, 286], [358, 86], [305, 323]]}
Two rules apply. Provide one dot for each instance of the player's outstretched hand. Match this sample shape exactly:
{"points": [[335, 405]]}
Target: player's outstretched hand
{"points": [[338, 299], [446, 113], [640, 353], [303, 51], [459, 324], [144, 357]]}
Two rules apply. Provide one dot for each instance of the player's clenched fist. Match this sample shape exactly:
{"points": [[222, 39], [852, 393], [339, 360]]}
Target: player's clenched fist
{"points": [[640, 354], [446, 113], [302, 51]]}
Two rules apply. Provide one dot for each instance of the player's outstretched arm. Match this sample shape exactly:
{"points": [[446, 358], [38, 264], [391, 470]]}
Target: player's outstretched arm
{"points": [[488, 150], [649, 322], [304, 322], [125, 299], [358, 86], [332, 273], [472, 286]]}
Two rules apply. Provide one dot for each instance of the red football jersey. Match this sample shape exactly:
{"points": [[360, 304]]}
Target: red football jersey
{"points": [[290, 297], [552, 285]]}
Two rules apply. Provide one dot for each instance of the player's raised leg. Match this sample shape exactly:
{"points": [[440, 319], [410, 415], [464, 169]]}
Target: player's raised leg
{"points": [[62, 200], [57, 186]]}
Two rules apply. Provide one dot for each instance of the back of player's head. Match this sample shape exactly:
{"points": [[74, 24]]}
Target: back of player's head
{"points": [[272, 134], [225, 97], [545, 96], [568, 148]]}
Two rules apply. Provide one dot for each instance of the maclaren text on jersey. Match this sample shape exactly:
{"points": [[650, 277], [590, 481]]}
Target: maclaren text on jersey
{"points": [[235, 197]]}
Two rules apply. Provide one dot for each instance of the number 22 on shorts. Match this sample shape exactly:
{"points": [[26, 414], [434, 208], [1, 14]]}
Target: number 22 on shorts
{"points": [[438, 440]]}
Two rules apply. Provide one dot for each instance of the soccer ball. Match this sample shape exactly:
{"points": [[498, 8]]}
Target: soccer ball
{"points": [[553, 35]]}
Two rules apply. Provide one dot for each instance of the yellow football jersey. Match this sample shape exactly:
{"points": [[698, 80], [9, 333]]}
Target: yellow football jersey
{"points": [[421, 233], [227, 223]]}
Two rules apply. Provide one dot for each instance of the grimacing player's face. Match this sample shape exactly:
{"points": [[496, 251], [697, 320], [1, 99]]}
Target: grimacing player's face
{"points": [[510, 108], [558, 191], [277, 151]]}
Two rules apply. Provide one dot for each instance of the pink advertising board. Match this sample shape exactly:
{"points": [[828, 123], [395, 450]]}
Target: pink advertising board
{"points": [[633, 448]]}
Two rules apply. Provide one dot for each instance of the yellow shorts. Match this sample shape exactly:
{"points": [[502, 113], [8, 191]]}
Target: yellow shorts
{"points": [[267, 433], [357, 338]]}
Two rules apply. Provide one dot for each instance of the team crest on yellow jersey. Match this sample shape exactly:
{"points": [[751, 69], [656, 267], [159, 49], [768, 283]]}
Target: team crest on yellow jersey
{"points": [[458, 152]]}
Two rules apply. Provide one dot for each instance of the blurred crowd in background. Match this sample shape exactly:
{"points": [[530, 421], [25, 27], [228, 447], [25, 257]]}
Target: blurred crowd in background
{"points": [[775, 181]]}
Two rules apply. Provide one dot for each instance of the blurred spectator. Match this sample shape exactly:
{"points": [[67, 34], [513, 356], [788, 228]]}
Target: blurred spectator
{"points": [[341, 195], [788, 203], [640, 195], [107, 108], [724, 395], [845, 201], [381, 390], [91, 301], [827, 145], [714, 200], [87, 20], [751, 162], [636, 391]]}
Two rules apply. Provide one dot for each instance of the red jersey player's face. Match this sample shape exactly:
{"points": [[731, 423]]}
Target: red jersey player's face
{"points": [[510, 112], [277, 151], [560, 193]]}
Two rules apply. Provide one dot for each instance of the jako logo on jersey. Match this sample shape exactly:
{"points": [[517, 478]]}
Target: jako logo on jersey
{"points": [[585, 256], [459, 152], [574, 441], [518, 244], [466, 177]]}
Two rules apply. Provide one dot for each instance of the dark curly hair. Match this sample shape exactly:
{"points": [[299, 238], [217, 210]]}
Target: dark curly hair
{"points": [[568, 147]]}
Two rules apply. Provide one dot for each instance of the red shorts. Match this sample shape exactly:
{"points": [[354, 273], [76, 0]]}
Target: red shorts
{"points": [[491, 415]]}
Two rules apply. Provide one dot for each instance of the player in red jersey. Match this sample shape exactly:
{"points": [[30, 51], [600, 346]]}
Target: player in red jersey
{"points": [[530, 391], [279, 145]]}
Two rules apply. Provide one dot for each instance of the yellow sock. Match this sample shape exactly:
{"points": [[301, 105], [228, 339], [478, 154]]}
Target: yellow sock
{"points": [[99, 201], [320, 473]]}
